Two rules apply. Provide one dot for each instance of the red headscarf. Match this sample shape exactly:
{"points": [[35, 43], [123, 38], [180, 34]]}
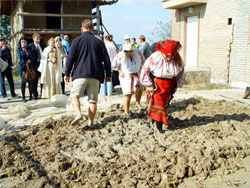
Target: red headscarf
{"points": [[169, 48]]}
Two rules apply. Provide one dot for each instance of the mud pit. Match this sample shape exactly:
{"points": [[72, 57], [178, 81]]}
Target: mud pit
{"points": [[206, 139]]}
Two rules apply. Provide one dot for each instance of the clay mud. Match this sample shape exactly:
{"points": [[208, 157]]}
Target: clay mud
{"points": [[205, 138]]}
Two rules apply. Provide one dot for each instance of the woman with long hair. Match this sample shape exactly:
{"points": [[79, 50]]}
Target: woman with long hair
{"points": [[26, 59], [51, 71], [62, 57]]}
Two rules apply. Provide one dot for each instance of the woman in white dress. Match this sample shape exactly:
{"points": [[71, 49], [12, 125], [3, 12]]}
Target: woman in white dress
{"points": [[62, 57], [51, 71], [129, 63]]}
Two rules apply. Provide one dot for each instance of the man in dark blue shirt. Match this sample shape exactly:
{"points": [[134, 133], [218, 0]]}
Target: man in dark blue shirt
{"points": [[87, 60]]}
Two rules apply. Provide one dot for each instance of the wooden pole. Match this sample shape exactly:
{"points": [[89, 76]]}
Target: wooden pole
{"points": [[21, 20], [61, 13], [52, 32], [98, 23], [56, 15]]}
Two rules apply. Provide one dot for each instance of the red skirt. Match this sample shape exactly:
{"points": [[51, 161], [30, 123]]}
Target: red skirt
{"points": [[157, 105]]}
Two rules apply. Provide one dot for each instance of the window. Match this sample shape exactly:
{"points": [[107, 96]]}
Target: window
{"points": [[53, 7]]}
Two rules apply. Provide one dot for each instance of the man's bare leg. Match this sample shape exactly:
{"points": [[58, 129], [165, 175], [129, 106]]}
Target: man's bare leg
{"points": [[76, 104], [92, 113], [77, 107]]}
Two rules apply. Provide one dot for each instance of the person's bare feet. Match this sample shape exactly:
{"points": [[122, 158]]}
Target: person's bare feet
{"points": [[91, 124], [77, 119], [138, 105], [126, 113]]}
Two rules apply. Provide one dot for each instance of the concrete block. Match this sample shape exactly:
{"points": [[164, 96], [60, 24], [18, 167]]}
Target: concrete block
{"points": [[197, 75]]}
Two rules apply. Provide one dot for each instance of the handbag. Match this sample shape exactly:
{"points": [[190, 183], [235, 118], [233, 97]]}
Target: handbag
{"points": [[3, 65], [30, 73]]}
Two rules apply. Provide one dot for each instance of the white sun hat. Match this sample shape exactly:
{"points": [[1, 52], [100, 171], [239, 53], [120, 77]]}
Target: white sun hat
{"points": [[126, 37], [128, 47]]}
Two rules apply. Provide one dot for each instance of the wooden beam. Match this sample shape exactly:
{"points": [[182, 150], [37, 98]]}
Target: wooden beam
{"points": [[98, 18], [58, 32], [61, 13], [56, 15], [53, 32], [44, 32], [20, 9]]}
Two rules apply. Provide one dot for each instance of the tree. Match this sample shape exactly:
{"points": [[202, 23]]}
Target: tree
{"points": [[5, 28], [162, 31]]}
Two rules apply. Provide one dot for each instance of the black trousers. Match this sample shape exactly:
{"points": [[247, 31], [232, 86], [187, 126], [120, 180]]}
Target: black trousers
{"points": [[63, 84], [8, 74], [115, 78]]}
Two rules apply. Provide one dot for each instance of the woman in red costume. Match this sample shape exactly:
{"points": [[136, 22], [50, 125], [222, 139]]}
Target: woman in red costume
{"points": [[162, 73]]}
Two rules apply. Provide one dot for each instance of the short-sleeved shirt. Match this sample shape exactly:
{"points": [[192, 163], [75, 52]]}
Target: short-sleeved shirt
{"points": [[145, 49]]}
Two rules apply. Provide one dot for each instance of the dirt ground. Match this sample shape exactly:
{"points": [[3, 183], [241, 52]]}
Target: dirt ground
{"points": [[206, 144]]}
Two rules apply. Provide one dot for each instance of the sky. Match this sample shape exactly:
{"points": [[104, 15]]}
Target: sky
{"points": [[133, 18]]}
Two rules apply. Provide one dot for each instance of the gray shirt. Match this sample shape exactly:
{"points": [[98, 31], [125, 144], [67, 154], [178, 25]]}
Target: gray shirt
{"points": [[145, 49]]}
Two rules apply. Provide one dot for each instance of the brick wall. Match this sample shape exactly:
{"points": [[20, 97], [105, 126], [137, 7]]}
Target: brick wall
{"points": [[214, 36], [240, 62], [248, 53], [176, 25]]}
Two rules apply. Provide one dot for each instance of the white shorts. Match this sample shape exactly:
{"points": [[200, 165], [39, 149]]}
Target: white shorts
{"points": [[90, 84]]}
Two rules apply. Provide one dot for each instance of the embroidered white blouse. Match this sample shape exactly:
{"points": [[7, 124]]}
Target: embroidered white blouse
{"points": [[157, 66], [128, 65]]}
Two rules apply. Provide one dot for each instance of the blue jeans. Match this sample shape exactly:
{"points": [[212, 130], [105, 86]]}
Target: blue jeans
{"points": [[106, 88], [8, 74]]}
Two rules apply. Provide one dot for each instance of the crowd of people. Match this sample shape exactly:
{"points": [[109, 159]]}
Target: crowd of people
{"points": [[91, 62], [97, 66], [48, 64]]}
